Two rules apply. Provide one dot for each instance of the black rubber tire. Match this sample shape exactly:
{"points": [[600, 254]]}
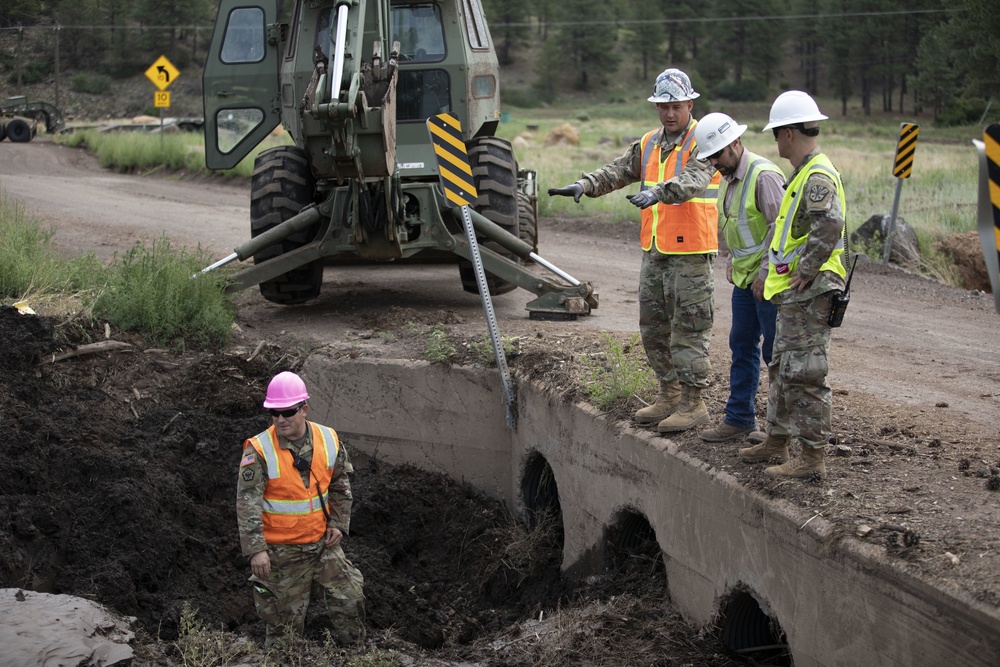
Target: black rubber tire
{"points": [[282, 184], [3, 132], [527, 223], [494, 171], [19, 131]]}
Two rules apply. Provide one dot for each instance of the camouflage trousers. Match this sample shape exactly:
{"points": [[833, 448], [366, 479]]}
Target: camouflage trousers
{"points": [[800, 401], [297, 572], [676, 306]]}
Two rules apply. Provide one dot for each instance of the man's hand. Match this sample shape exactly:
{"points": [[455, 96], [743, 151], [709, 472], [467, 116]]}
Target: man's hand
{"points": [[333, 536], [260, 564], [758, 288], [729, 274], [797, 282], [574, 190], [644, 199]]}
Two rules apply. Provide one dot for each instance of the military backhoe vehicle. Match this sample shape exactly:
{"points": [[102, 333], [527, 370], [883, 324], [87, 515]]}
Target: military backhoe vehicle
{"points": [[353, 83], [19, 119]]}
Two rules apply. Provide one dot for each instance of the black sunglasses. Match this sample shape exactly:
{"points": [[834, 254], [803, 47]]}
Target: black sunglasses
{"points": [[716, 155], [290, 412]]}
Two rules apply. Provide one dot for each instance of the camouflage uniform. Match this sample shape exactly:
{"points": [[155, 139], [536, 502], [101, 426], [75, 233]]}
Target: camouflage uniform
{"points": [[298, 569], [676, 292], [800, 400]]}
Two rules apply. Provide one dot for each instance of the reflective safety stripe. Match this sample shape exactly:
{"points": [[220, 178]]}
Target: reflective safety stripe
{"points": [[330, 443], [293, 506], [268, 447]]}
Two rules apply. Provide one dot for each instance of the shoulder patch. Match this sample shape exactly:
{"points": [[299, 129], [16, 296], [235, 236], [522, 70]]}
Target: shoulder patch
{"points": [[248, 459], [248, 475], [819, 192]]}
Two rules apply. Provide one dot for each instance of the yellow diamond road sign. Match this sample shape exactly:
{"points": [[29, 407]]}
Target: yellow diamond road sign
{"points": [[162, 73]]}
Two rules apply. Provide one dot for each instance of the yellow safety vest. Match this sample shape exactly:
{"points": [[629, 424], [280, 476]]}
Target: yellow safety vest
{"points": [[785, 248], [743, 226]]}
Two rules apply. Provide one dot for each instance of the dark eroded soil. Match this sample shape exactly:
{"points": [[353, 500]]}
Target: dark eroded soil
{"points": [[119, 487]]}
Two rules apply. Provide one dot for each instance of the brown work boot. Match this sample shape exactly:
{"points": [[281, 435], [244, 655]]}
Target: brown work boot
{"points": [[774, 447], [756, 436], [809, 465], [691, 412], [724, 432], [666, 401]]}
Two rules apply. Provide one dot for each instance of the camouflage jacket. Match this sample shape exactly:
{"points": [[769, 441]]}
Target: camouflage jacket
{"points": [[627, 169], [252, 481], [820, 216]]}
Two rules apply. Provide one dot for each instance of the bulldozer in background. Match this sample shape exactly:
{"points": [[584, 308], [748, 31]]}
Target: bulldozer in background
{"points": [[353, 83]]}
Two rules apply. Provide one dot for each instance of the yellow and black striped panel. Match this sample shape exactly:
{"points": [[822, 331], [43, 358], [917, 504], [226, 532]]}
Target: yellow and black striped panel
{"points": [[991, 137], [907, 145], [452, 159]]}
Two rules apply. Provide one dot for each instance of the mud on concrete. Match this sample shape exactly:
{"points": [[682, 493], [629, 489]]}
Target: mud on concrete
{"points": [[120, 484]]}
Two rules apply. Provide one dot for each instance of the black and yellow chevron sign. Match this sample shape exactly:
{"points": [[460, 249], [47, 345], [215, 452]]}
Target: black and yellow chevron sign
{"points": [[991, 137], [905, 149], [452, 159]]}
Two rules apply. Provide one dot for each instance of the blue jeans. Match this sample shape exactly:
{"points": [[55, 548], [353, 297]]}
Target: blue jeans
{"points": [[752, 321]]}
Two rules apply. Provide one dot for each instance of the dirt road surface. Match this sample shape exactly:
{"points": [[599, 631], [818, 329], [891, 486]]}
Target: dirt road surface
{"points": [[915, 368]]}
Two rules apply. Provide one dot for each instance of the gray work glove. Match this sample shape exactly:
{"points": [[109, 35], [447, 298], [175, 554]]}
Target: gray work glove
{"points": [[644, 199], [574, 190]]}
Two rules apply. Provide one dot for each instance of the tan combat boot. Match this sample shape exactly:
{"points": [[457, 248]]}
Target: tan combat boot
{"points": [[666, 401], [689, 413], [724, 432], [810, 464], [773, 447]]}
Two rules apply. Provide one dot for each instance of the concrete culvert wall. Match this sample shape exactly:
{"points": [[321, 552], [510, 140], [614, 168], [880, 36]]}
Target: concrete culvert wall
{"points": [[840, 601], [749, 632]]}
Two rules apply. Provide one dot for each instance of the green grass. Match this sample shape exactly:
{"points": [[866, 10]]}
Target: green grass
{"points": [[149, 289], [146, 152], [619, 372], [29, 265], [439, 349]]}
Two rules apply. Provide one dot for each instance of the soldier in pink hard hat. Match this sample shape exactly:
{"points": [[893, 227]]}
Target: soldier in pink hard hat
{"points": [[293, 506]]}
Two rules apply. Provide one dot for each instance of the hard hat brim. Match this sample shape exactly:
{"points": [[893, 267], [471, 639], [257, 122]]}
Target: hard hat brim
{"points": [[663, 100], [786, 123]]}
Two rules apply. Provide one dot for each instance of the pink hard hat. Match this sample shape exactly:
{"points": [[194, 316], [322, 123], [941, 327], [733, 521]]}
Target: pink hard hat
{"points": [[285, 390]]}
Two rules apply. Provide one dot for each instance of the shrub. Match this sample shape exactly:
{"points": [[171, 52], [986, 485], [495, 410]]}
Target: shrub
{"points": [[96, 84]]}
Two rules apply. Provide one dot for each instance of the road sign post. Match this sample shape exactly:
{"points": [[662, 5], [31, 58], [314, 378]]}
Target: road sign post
{"points": [[459, 187], [902, 167], [162, 73]]}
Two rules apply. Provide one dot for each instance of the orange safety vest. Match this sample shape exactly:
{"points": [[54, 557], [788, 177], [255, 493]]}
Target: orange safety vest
{"points": [[292, 513], [687, 228]]}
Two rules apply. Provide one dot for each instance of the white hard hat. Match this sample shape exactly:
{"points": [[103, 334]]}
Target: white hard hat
{"points": [[672, 85], [793, 107], [714, 132]]}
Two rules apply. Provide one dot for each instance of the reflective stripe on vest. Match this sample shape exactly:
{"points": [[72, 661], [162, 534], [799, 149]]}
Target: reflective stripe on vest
{"points": [[746, 238], [690, 227], [292, 513], [785, 250]]}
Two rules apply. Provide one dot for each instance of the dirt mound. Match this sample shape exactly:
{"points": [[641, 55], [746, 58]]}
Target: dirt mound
{"points": [[967, 254]]}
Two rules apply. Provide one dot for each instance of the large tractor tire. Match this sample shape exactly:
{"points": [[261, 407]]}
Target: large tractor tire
{"points": [[494, 171], [527, 222], [282, 184], [19, 131], [3, 132]]}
